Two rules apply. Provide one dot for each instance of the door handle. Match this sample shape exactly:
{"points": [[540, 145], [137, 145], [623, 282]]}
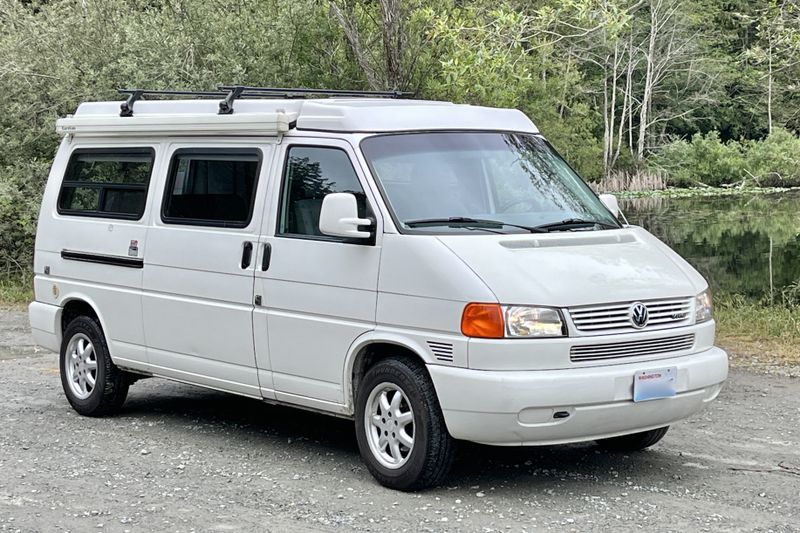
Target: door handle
{"points": [[266, 256], [247, 254]]}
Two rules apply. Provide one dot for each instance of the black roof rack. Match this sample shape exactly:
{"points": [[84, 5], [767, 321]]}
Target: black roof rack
{"points": [[126, 108], [303, 92], [229, 93]]}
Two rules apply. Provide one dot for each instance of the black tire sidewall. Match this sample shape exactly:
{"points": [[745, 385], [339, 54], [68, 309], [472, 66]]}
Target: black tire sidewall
{"points": [[92, 330], [397, 373], [634, 442]]}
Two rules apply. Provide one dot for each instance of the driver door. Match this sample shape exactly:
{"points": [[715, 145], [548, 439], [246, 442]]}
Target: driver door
{"points": [[317, 293]]}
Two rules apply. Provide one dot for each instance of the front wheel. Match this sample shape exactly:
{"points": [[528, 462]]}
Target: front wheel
{"points": [[634, 442], [400, 428]]}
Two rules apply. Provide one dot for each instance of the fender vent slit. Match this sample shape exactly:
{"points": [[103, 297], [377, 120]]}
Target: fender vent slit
{"points": [[442, 351]]}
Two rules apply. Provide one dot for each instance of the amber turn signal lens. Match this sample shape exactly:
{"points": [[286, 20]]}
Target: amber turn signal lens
{"points": [[484, 321]]}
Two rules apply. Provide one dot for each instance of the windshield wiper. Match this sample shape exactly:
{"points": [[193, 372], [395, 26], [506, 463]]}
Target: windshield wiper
{"points": [[467, 221], [574, 223]]}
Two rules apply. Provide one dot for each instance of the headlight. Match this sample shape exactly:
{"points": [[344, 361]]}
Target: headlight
{"points": [[532, 322], [495, 321], [703, 307]]}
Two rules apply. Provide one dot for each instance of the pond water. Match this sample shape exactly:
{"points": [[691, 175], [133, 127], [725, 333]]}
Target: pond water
{"points": [[742, 244]]}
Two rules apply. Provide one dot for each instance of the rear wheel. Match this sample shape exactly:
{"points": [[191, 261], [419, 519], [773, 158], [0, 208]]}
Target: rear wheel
{"points": [[400, 428], [93, 385], [633, 442]]}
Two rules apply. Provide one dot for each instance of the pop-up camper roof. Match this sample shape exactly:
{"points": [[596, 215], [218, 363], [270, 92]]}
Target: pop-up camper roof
{"points": [[259, 111]]}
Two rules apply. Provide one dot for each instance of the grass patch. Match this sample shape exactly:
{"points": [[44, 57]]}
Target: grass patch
{"points": [[766, 337], [16, 291]]}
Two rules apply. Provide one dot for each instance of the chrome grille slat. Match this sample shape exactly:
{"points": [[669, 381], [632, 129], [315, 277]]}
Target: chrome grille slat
{"points": [[605, 319], [615, 316], [638, 348], [613, 350], [607, 312], [623, 345], [670, 306], [633, 352], [661, 320], [624, 312], [669, 312]]}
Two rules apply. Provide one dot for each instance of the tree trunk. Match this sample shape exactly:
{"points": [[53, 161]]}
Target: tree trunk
{"points": [[647, 93], [393, 43], [769, 86], [351, 33]]}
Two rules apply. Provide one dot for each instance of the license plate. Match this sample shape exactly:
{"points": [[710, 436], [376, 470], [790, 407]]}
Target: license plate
{"points": [[655, 384]]}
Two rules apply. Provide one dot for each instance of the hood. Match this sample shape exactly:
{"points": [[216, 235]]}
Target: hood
{"points": [[577, 268]]}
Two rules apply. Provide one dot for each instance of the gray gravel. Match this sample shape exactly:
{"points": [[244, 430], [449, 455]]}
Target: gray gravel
{"points": [[180, 458]]}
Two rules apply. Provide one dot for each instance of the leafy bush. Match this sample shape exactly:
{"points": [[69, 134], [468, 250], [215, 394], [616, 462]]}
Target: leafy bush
{"points": [[775, 161], [706, 160], [20, 192]]}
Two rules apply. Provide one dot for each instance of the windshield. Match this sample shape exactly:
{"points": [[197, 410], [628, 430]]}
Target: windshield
{"points": [[463, 182]]}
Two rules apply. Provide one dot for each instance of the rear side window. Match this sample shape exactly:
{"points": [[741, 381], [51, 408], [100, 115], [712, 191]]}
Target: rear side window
{"points": [[310, 174], [212, 187], [109, 183]]}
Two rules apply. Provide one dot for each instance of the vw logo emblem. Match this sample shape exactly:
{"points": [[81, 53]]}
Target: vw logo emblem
{"points": [[639, 315]]}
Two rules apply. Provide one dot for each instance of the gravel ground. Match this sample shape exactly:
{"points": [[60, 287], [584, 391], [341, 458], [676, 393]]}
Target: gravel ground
{"points": [[180, 458]]}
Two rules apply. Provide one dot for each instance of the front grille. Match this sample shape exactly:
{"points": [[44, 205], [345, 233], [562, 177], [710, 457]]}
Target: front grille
{"points": [[612, 350], [662, 313]]}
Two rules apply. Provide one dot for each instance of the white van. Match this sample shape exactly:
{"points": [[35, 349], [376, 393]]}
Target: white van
{"points": [[435, 272]]}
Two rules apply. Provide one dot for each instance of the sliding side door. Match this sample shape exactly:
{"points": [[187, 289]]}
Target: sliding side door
{"points": [[198, 284]]}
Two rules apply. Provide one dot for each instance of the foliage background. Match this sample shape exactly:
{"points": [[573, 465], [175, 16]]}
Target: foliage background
{"points": [[702, 92]]}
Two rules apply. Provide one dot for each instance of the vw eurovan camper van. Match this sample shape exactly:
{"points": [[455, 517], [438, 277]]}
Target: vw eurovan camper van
{"points": [[434, 272]]}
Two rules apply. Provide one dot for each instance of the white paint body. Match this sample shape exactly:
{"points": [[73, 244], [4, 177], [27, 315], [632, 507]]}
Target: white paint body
{"points": [[189, 313]]}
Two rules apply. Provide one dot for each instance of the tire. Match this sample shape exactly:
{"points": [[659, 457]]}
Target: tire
{"points": [[634, 442], [84, 357], [429, 458]]}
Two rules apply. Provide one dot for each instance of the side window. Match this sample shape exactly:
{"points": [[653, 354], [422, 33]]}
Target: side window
{"points": [[109, 183], [311, 173], [211, 187]]}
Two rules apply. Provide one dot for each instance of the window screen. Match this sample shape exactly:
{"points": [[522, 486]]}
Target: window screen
{"points": [[310, 174], [212, 188], [106, 183]]}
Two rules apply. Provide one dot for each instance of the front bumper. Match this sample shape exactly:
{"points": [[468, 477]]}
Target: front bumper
{"points": [[516, 407]]}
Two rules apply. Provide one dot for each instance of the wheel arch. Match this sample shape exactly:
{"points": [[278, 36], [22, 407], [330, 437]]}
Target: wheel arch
{"points": [[370, 348], [76, 304]]}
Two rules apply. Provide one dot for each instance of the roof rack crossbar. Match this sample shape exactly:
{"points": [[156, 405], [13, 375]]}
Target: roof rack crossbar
{"points": [[303, 92], [126, 108]]}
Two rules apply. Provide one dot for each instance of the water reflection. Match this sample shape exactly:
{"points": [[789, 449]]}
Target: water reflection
{"points": [[747, 245]]}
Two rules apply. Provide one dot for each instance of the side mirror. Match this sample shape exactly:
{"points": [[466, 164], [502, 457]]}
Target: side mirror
{"points": [[610, 201], [339, 217]]}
